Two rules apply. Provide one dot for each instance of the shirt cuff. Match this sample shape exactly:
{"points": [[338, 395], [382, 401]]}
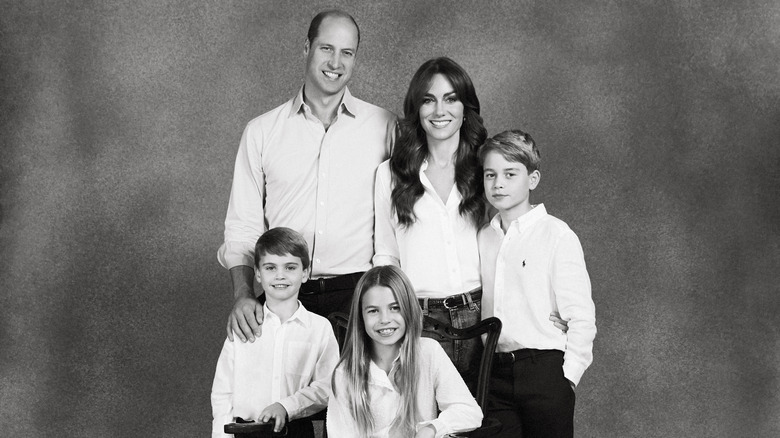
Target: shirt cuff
{"points": [[573, 371], [437, 425], [218, 427], [289, 405], [384, 260], [232, 254]]}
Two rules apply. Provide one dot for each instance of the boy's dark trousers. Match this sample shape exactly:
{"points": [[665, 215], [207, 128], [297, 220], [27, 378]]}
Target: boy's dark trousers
{"points": [[530, 396]]}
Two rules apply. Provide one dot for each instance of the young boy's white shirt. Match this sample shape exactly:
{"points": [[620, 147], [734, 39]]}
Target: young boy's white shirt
{"points": [[538, 267], [290, 363]]}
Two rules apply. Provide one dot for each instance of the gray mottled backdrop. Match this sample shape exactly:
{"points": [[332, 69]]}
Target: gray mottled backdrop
{"points": [[658, 124]]}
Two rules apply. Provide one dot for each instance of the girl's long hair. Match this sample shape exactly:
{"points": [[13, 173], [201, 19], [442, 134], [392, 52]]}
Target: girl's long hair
{"points": [[356, 357], [411, 148]]}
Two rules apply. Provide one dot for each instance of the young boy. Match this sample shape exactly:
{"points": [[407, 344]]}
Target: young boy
{"points": [[532, 265], [285, 374]]}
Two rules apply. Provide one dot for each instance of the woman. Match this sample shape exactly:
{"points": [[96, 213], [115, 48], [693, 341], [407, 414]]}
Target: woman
{"points": [[429, 202]]}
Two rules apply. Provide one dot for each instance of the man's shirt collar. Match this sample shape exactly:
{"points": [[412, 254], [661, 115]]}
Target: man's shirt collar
{"points": [[348, 104]]}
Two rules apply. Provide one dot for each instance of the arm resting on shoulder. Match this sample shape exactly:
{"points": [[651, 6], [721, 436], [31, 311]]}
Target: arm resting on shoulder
{"points": [[247, 315], [244, 223]]}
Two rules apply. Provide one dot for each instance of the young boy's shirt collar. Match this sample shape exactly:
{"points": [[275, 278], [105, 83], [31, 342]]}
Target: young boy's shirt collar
{"points": [[301, 315], [523, 222]]}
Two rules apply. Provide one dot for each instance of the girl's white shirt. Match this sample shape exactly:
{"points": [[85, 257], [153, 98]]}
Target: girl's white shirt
{"points": [[439, 388]]}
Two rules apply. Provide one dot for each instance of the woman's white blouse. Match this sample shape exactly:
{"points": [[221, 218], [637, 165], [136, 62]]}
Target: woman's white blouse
{"points": [[438, 252]]}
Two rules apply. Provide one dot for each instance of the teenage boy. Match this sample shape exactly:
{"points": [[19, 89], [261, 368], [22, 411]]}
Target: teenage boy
{"points": [[285, 374], [532, 265]]}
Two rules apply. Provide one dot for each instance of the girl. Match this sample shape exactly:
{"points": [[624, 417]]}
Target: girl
{"points": [[390, 382]]}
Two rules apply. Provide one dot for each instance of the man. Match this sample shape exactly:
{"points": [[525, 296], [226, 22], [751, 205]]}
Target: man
{"points": [[309, 164]]}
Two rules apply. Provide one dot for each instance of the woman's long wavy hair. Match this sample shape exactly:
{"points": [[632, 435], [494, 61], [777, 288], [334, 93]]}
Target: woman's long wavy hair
{"points": [[411, 148], [356, 356]]}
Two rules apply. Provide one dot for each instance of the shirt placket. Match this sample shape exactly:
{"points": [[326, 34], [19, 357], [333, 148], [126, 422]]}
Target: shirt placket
{"points": [[319, 256], [499, 290], [449, 218], [280, 341]]}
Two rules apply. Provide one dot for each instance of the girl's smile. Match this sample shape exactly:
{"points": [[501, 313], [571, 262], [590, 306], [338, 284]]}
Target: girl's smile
{"points": [[382, 317]]}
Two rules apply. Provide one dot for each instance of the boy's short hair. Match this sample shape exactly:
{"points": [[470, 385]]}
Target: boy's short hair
{"points": [[515, 145], [282, 241]]}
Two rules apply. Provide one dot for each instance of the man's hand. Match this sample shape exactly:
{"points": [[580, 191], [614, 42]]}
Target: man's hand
{"points": [[245, 319], [247, 315], [562, 325], [277, 413]]}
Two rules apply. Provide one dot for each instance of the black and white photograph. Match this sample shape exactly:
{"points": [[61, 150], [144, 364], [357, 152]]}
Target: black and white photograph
{"points": [[389, 219]]}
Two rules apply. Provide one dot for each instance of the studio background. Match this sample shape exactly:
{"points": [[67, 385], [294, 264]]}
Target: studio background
{"points": [[658, 124]]}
